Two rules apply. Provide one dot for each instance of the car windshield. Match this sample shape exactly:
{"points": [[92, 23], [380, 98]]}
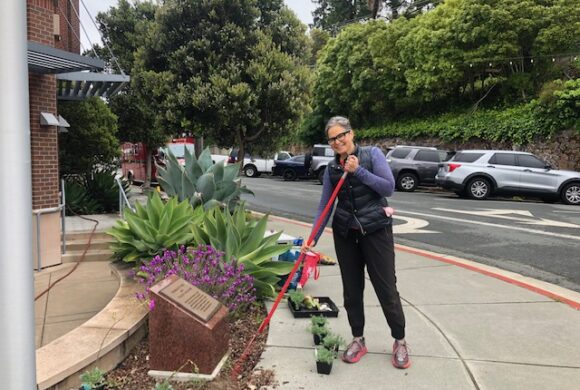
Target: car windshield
{"points": [[178, 150]]}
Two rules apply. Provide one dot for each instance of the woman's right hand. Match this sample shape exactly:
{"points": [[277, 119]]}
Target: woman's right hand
{"points": [[305, 247]]}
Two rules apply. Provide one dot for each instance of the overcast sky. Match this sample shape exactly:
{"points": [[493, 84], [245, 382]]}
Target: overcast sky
{"points": [[302, 8]]}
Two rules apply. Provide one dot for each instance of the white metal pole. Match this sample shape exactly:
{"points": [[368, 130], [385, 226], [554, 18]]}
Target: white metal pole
{"points": [[17, 340]]}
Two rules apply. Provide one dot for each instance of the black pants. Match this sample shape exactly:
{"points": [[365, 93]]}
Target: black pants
{"points": [[375, 251]]}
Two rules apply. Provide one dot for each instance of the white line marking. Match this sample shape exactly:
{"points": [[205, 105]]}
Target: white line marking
{"points": [[498, 213], [493, 225]]}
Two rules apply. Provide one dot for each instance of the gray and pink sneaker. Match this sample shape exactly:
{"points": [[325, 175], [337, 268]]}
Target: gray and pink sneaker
{"points": [[354, 351], [401, 355]]}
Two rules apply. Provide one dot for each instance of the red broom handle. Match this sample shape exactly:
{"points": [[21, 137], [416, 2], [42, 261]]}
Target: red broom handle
{"points": [[266, 320]]}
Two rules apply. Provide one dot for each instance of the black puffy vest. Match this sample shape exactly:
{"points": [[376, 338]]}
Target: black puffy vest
{"points": [[359, 207]]}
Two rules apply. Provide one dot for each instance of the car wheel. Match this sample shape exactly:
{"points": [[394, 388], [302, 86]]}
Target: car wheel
{"points": [[289, 175], [478, 188], [407, 182], [251, 171], [571, 194]]}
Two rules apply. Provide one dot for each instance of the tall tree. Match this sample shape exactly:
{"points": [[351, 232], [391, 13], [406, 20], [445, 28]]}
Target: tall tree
{"points": [[332, 14], [234, 71], [125, 30], [90, 140]]}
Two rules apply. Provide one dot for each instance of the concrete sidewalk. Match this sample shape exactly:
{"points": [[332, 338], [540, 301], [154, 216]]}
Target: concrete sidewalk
{"points": [[470, 326], [474, 328]]}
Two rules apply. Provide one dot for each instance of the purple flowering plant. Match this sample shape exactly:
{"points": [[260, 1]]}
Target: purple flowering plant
{"points": [[205, 268]]}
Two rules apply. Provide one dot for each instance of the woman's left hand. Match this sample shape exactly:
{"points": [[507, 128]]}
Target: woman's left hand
{"points": [[351, 164]]}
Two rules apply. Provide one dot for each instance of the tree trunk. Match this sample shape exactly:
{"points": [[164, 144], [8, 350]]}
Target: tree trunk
{"points": [[241, 151], [198, 148], [149, 158]]}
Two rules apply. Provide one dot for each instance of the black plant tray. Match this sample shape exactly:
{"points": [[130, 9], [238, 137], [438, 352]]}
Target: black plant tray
{"points": [[305, 313]]}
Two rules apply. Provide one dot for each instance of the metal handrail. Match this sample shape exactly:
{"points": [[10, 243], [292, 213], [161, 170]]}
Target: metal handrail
{"points": [[123, 200]]}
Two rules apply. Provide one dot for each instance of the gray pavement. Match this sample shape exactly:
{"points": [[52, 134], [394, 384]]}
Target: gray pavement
{"points": [[467, 330]]}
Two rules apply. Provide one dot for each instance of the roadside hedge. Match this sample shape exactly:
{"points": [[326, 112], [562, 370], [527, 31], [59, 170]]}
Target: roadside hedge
{"points": [[517, 125]]}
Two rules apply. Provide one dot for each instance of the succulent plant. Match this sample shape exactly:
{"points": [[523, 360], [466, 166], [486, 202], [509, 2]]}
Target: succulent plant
{"points": [[200, 180], [243, 240], [149, 230]]}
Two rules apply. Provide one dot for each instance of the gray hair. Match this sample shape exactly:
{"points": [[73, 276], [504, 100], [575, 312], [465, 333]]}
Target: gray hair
{"points": [[338, 121]]}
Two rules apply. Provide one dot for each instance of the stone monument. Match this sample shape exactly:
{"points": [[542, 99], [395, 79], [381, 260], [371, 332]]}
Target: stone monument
{"points": [[186, 326]]}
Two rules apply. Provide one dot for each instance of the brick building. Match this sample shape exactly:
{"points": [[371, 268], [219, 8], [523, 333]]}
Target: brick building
{"points": [[56, 71]]}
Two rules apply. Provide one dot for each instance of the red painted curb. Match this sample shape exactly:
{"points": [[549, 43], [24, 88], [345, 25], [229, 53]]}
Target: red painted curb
{"points": [[527, 286]]}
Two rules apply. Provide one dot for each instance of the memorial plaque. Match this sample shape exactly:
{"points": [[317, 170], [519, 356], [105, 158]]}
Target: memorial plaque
{"points": [[192, 299], [188, 329]]}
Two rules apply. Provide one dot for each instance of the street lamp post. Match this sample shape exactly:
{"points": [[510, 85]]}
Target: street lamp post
{"points": [[17, 333]]}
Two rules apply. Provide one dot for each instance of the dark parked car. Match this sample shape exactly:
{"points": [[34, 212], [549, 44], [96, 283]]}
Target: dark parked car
{"points": [[291, 169], [415, 165]]}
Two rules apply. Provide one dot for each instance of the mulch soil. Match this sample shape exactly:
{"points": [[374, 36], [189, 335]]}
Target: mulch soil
{"points": [[131, 374]]}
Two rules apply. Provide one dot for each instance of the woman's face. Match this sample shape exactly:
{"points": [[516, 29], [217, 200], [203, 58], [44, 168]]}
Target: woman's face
{"points": [[340, 140]]}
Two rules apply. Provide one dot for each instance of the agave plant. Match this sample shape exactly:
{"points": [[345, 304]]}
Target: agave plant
{"points": [[200, 180], [149, 230], [244, 241]]}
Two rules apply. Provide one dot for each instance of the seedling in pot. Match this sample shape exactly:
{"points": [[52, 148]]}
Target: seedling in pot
{"points": [[333, 342], [324, 360], [296, 297], [318, 333], [319, 321]]}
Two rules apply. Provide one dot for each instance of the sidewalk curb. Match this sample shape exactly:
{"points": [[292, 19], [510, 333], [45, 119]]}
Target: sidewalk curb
{"points": [[557, 293]]}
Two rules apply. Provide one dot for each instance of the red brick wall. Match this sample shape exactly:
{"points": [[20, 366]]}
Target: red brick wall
{"points": [[42, 97], [40, 21], [44, 142], [69, 38]]}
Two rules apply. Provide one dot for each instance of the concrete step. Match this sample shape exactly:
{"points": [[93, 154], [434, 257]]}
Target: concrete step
{"points": [[98, 235], [80, 244], [91, 255]]}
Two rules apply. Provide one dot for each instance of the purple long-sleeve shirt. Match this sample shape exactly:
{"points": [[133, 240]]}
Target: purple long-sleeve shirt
{"points": [[380, 180]]}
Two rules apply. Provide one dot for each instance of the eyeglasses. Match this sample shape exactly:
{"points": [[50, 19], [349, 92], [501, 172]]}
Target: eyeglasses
{"points": [[339, 137]]}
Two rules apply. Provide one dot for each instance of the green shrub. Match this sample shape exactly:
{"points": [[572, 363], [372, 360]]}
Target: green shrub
{"points": [[243, 240], [78, 199], [516, 124], [95, 192], [558, 106], [149, 230]]}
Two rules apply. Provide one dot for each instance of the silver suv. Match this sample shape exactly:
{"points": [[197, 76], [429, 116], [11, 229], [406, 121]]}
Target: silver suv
{"points": [[481, 173], [415, 165]]}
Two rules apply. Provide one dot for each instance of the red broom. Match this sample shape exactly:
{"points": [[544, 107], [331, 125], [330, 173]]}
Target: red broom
{"points": [[237, 366]]}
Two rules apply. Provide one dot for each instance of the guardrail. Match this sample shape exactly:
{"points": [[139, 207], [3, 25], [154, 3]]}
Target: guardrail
{"points": [[123, 200]]}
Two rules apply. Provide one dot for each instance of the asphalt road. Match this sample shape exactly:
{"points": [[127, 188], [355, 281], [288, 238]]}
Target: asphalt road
{"points": [[532, 238]]}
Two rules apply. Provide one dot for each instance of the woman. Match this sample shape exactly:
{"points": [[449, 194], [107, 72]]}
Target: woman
{"points": [[363, 236]]}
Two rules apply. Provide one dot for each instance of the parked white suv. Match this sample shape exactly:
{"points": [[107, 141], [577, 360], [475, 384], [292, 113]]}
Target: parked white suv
{"points": [[254, 166], [481, 173]]}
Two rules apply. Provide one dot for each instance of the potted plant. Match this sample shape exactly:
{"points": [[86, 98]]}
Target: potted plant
{"points": [[333, 342], [296, 298], [318, 333], [93, 380], [319, 321], [324, 359], [304, 306]]}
